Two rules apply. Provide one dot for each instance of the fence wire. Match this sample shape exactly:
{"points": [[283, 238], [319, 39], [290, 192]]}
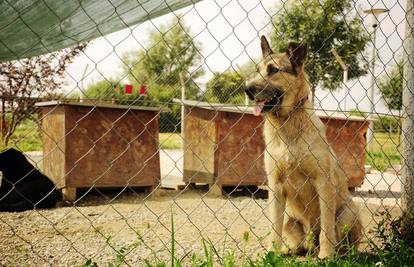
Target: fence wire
{"points": [[151, 144]]}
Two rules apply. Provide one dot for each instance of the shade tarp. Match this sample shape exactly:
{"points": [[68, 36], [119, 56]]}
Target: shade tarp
{"points": [[34, 27]]}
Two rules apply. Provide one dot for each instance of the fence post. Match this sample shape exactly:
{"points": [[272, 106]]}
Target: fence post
{"points": [[407, 199], [183, 89]]}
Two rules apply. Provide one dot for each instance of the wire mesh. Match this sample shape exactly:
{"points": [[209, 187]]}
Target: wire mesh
{"points": [[154, 147]]}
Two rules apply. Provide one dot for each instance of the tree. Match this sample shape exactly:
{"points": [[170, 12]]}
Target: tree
{"points": [[391, 85], [26, 81], [323, 25], [171, 52], [107, 90], [226, 87]]}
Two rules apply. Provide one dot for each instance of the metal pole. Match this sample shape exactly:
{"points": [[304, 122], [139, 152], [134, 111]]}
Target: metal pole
{"points": [[407, 199], [370, 133], [345, 74], [182, 82], [82, 89], [345, 80]]}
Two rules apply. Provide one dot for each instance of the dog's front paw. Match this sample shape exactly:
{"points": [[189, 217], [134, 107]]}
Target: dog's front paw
{"points": [[285, 250], [326, 252]]}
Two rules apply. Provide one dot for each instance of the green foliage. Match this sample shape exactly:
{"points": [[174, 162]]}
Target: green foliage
{"points": [[323, 25], [385, 142], [170, 140], [172, 52], [226, 87], [384, 151], [27, 81], [382, 123], [387, 124], [172, 60], [391, 85], [109, 89], [394, 239], [26, 137]]}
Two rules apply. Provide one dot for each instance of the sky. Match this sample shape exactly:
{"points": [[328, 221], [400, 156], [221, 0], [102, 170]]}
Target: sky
{"points": [[228, 31]]}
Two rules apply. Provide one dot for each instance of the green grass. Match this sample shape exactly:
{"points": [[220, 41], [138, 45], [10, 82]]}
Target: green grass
{"points": [[26, 137], [170, 140], [385, 151]]}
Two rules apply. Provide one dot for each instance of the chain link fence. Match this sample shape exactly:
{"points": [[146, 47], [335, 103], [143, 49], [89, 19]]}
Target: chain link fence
{"points": [[143, 125]]}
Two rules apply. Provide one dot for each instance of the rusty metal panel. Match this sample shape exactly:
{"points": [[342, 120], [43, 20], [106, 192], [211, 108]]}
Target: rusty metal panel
{"points": [[200, 145], [53, 132], [240, 159], [111, 147], [348, 140]]}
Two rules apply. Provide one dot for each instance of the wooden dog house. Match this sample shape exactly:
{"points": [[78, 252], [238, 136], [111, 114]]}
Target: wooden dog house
{"points": [[99, 145], [224, 144]]}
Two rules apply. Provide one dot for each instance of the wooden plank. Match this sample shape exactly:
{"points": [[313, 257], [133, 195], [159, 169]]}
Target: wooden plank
{"points": [[53, 137], [200, 145]]}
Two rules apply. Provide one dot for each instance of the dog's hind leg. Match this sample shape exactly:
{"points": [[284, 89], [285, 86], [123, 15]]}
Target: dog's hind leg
{"points": [[348, 227], [293, 237]]}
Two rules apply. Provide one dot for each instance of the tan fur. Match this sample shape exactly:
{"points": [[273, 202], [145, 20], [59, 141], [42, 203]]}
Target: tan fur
{"points": [[307, 187]]}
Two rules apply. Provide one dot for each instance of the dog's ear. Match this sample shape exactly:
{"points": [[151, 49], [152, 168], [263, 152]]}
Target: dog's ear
{"points": [[297, 53], [264, 44]]}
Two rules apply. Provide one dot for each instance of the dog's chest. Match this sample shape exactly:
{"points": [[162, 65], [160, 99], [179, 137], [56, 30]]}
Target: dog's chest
{"points": [[281, 151]]}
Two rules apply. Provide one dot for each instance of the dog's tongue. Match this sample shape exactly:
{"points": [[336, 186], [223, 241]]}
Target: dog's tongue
{"points": [[258, 108]]}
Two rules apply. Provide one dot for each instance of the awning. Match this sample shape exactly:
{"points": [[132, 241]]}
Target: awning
{"points": [[34, 27]]}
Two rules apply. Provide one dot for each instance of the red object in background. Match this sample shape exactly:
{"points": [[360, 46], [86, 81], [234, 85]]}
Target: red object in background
{"points": [[128, 89], [143, 90]]}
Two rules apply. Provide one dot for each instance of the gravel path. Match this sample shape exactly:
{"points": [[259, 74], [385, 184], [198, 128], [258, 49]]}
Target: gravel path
{"points": [[99, 226], [68, 236]]}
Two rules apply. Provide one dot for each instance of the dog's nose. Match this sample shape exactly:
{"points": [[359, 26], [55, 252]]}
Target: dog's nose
{"points": [[250, 92]]}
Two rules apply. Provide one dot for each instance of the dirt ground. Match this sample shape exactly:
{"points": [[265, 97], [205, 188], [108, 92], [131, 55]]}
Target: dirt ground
{"points": [[102, 224]]}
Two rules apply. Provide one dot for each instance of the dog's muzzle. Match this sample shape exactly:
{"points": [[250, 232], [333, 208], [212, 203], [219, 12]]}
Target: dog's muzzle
{"points": [[250, 92], [266, 104]]}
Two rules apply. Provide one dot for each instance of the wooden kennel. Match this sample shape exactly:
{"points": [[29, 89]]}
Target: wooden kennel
{"points": [[224, 144], [99, 145]]}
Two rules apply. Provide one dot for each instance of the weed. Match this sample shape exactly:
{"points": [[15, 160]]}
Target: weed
{"points": [[394, 239]]}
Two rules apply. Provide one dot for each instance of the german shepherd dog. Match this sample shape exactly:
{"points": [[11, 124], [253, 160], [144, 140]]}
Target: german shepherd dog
{"points": [[308, 193]]}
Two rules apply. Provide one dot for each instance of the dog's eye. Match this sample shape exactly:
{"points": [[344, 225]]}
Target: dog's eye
{"points": [[272, 69]]}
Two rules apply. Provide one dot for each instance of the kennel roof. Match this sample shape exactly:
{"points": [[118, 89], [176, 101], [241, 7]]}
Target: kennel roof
{"points": [[328, 114], [99, 105]]}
